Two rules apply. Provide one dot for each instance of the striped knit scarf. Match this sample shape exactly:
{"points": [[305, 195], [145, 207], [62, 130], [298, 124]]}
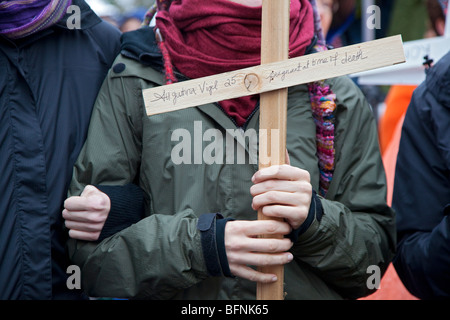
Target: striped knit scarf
{"points": [[20, 18], [323, 100]]}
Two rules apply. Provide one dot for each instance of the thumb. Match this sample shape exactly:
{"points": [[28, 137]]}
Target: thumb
{"points": [[89, 190]]}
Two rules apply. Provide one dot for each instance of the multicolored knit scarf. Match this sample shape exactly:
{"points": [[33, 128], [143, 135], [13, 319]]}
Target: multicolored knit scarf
{"points": [[323, 103], [20, 18], [323, 100]]}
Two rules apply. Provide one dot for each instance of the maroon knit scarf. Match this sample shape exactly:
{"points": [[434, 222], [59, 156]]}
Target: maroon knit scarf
{"points": [[215, 36]]}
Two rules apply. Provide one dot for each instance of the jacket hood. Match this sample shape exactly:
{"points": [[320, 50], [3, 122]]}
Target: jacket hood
{"points": [[141, 45], [438, 81]]}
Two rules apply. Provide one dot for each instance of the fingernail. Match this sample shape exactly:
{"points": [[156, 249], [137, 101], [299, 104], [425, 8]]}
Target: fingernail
{"points": [[274, 278], [290, 257]]}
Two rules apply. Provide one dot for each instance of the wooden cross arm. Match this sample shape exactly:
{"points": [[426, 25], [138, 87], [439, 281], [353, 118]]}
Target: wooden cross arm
{"points": [[273, 76]]}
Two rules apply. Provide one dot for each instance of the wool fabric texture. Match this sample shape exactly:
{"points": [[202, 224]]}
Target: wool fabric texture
{"points": [[323, 103]]}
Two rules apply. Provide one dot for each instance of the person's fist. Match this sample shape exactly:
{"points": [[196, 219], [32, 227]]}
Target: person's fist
{"points": [[283, 192], [244, 247], [86, 214]]}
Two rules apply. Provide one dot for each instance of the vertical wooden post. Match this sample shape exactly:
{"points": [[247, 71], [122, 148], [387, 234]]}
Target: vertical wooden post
{"points": [[273, 113]]}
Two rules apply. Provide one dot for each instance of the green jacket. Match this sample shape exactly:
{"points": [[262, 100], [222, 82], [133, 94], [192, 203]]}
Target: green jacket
{"points": [[161, 257]]}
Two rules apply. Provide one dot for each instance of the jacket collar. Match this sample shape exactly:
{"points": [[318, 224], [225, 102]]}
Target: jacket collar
{"points": [[87, 17], [141, 46]]}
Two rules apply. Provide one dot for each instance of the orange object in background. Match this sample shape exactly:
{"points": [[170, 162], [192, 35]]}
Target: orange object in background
{"points": [[391, 287], [390, 130], [397, 101]]}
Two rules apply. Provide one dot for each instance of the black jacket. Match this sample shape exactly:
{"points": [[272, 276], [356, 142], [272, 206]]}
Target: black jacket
{"points": [[422, 188], [48, 84]]}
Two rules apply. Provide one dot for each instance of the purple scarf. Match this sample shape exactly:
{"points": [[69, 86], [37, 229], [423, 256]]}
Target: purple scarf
{"points": [[20, 18]]}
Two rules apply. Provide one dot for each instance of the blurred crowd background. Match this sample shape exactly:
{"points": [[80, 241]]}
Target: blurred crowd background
{"points": [[408, 17], [126, 15]]}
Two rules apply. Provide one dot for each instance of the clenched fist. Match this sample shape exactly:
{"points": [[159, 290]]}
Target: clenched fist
{"points": [[283, 192], [86, 214]]}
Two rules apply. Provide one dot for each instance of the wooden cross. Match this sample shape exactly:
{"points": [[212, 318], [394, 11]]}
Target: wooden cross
{"points": [[271, 80], [273, 115]]}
